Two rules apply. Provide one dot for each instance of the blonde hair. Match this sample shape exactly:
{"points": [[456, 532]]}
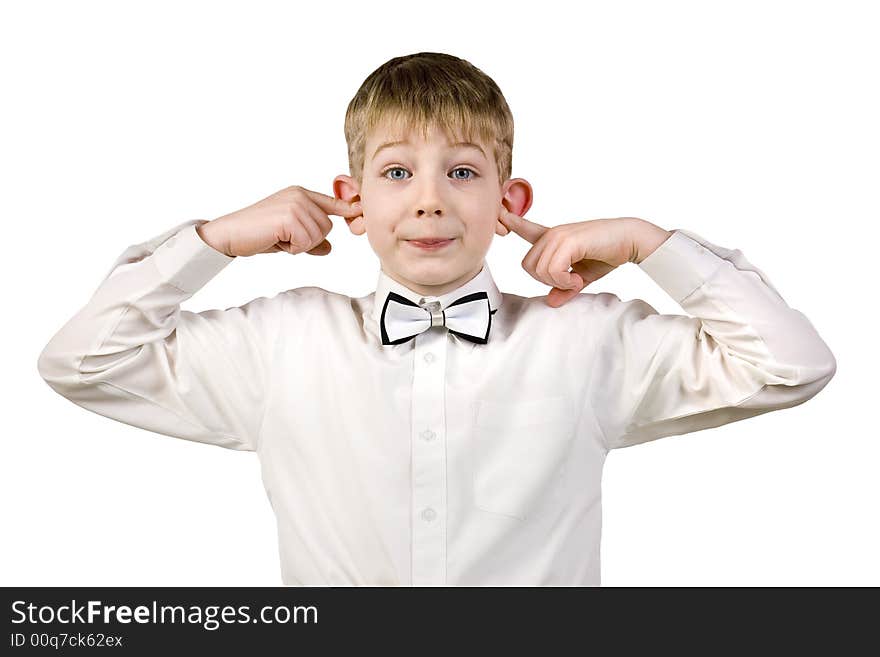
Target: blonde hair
{"points": [[431, 88]]}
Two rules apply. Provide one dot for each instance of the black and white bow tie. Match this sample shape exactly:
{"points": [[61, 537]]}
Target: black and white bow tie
{"points": [[468, 317]]}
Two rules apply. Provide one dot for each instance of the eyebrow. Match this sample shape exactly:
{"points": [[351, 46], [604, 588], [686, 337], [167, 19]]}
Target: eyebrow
{"points": [[468, 144]]}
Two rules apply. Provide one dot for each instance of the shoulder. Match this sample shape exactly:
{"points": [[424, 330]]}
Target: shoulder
{"points": [[588, 312], [601, 304], [308, 293], [314, 297]]}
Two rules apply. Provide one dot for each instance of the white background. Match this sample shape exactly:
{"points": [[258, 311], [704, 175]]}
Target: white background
{"points": [[753, 124]]}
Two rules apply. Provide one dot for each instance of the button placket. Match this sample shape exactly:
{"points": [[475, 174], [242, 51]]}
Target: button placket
{"points": [[429, 458]]}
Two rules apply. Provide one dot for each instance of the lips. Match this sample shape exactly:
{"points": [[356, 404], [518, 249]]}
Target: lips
{"points": [[431, 243]]}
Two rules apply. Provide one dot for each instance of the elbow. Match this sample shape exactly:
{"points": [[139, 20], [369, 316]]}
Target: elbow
{"points": [[816, 376], [804, 380], [822, 361], [66, 370], [830, 371], [832, 367], [47, 364], [817, 365], [57, 367], [826, 367]]}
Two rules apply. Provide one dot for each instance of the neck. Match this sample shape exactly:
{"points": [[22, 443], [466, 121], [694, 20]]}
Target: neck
{"points": [[436, 290]]}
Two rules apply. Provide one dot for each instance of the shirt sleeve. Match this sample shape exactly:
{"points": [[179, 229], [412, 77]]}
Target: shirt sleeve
{"points": [[131, 354], [744, 352]]}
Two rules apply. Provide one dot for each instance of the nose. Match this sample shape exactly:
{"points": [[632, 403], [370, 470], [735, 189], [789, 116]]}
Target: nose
{"points": [[428, 198]]}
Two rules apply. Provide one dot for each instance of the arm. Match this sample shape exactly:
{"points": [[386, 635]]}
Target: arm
{"points": [[744, 352], [131, 354]]}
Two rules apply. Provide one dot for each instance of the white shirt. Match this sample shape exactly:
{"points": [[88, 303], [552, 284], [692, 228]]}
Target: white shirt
{"points": [[437, 461]]}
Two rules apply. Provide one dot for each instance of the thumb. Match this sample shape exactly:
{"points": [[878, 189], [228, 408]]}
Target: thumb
{"points": [[560, 296], [322, 249]]}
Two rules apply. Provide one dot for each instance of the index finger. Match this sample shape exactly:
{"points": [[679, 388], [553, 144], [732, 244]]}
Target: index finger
{"points": [[526, 229], [333, 205]]}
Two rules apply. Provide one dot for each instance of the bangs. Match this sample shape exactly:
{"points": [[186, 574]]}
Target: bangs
{"points": [[456, 125]]}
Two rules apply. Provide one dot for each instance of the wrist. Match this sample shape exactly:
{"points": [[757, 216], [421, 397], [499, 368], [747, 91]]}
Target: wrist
{"points": [[645, 238], [206, 233]]}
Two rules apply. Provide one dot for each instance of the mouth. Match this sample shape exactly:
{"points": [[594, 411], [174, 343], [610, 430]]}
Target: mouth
{"points": [[431, 243]]}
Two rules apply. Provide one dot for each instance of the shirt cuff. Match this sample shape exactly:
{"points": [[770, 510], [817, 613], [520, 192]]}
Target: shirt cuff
{"points": [[187, 262], [682, 263]]}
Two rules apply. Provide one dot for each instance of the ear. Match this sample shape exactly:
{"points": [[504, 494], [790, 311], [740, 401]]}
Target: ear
{"points": [[349, 189], [517, 198]]}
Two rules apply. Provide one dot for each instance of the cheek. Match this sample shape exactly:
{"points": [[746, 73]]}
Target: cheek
{"points": [[387, 237]]}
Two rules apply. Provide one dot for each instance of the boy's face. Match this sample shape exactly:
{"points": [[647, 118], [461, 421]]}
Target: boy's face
{"points": [[430, 189]]}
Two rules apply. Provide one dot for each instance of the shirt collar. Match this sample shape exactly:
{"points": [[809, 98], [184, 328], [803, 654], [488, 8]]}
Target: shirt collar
{"points": [[481, 282]]}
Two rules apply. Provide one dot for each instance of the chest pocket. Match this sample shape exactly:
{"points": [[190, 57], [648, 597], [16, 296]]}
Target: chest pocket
{"points": [[520, 452]]}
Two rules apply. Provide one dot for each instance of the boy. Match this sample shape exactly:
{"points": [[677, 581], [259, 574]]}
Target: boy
{"points": [[436, 431]]}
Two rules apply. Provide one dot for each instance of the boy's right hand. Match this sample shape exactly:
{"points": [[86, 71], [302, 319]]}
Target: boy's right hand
{"points": [[294, 220]]}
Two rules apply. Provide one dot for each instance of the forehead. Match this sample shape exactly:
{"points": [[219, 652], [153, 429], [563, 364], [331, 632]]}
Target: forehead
{"points": [[388, 135]]}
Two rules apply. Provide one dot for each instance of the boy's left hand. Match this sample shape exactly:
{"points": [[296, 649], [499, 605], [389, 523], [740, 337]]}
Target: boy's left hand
{"points": [[590, 248]]}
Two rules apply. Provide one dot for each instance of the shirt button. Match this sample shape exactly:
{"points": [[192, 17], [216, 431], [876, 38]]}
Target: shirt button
{"points": [[429, 357], [429, 514], [428, 435]]}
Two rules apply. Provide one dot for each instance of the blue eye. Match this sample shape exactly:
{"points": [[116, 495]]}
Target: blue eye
{"points": [[473, 173], [394, 169]]}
